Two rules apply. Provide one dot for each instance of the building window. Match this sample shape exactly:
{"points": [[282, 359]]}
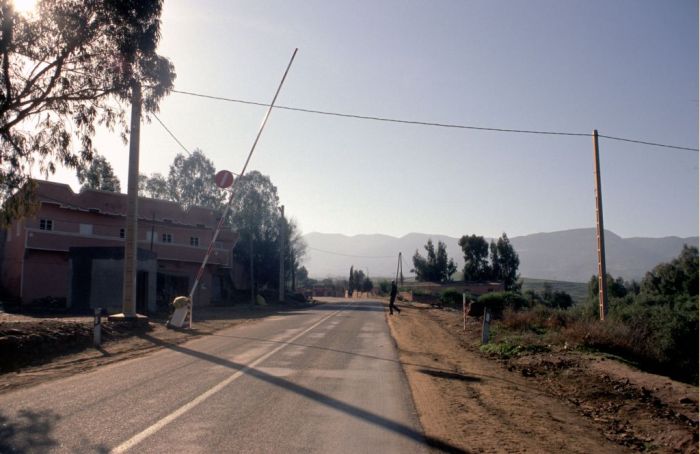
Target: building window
{"points": [[45, 224], [122, 233], [167, 238], [86, 229], [194, 241]]}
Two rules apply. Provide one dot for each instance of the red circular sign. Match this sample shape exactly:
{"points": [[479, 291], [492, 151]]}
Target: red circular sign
{"points": [[224, 179]]}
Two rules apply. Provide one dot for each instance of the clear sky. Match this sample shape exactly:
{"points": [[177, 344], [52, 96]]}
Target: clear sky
{"points": [[628, 68]]}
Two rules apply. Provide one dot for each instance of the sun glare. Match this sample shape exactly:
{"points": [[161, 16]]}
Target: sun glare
{"points": [[24, 6]]}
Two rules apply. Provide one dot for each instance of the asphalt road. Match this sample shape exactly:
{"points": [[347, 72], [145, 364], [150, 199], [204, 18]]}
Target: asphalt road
{"points": [[324, 379]]}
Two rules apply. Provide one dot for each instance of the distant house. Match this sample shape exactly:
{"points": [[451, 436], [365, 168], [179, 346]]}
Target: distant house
{"points": [[73, 249]]}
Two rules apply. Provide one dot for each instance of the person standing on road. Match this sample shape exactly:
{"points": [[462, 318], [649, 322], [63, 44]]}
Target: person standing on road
{"points": [[392, 298]]}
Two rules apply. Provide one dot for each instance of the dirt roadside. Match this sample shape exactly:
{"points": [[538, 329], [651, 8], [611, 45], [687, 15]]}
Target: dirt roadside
{"points": [[549, 402], [119, 344]]}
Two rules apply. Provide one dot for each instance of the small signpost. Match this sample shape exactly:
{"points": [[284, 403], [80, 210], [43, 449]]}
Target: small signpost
{"points": [[485, 326], [97, 328], [464, 311]]}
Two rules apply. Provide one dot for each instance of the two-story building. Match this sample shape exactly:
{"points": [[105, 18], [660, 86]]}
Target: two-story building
{"points": [[73, 249]]}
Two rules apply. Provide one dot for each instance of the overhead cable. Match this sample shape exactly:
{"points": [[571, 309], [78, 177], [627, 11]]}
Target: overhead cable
{"points": [[653, 144], [426, 123], [391, 120], [171, 134]]}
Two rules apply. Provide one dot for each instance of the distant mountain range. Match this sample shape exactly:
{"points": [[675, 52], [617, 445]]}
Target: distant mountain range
{"points": [[568, 255]]}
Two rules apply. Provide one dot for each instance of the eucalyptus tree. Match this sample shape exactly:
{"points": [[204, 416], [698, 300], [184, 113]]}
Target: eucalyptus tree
{"points": [[64, 70]]}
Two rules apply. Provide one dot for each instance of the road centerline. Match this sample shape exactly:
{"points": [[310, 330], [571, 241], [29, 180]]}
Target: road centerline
{"points": [[139, 437]]}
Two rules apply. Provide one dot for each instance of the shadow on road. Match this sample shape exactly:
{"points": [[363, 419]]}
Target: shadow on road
{"points": [[320, 398], [449, 375], [28, 431], [360, 308], [31, 431], [425, 367]]}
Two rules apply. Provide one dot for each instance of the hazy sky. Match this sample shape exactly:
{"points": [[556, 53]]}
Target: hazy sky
{"points": [[628, 68]]}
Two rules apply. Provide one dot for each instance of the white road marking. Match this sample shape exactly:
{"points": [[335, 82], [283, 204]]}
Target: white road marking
{"points": [[139, 437]]}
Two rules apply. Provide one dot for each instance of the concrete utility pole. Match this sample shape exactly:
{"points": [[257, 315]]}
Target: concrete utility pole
{"points": [[283, 231], [399, 266], [600, 233], [253, 300], [131, 231]]}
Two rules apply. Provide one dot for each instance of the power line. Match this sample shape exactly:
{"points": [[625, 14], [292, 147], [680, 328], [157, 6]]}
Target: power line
{"points": [[171, 134], [385, 119], [653, 144], [351, 255], [426, 123]]}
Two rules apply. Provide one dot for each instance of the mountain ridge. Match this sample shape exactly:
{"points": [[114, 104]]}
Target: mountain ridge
{"points": [[566, 255]]}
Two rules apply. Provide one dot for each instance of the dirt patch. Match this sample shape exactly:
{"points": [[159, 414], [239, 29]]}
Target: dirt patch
{"points": [[34, 350], [535, 402]]}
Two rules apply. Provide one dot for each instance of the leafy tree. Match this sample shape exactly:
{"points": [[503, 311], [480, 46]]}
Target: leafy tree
{"points": [[436, 267], [359, 279], [495, 261], [351, 281], [424, 268], [678, 277], [560, 300], [255, 206], [663, 315], [191, 182], [302, 276], [505, 262], [367, 284], [532, 297], [617, 288], [476, 266], [254, 213], [446, 267], [60, 70], [155, 186], [99, 175], [294, 252]]}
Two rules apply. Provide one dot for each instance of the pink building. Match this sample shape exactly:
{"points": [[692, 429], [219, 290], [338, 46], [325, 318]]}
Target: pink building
{"points": [[41, 255]]}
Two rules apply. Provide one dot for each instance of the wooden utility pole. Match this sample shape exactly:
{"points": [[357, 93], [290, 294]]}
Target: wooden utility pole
{"points": [[282, 234], [600, 232], [131, 231]]}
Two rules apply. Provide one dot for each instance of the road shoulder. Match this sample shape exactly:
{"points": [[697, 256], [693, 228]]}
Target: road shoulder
{"points": [[474, 403], [126, 346]]}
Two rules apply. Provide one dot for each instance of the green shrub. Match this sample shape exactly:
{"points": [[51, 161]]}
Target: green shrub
{"points": [[384, 287], [497, 302], [298, 297], [509, 348], [47, 303], [451, 297]]}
